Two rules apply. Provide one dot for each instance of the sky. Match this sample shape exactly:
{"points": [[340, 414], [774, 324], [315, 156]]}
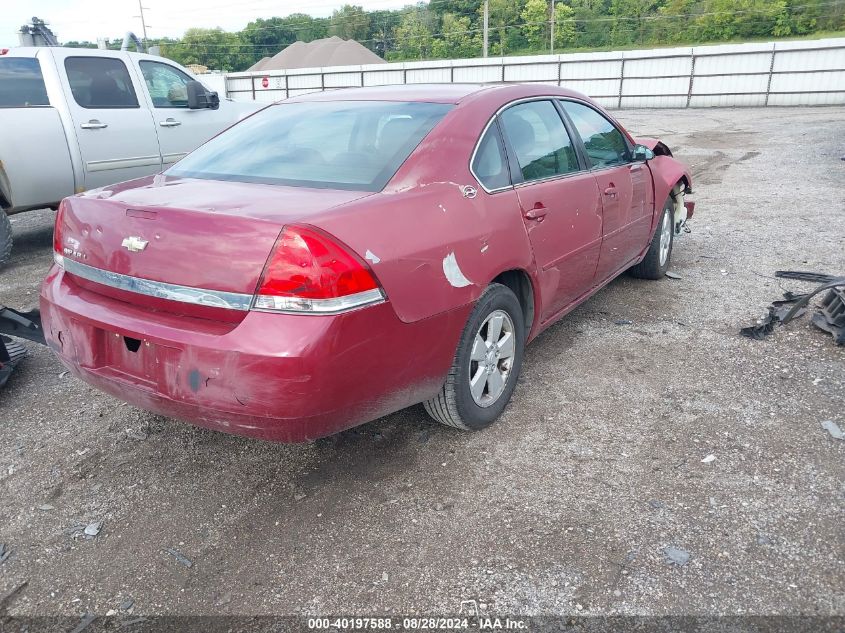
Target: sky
{"points": [[89, 19]]}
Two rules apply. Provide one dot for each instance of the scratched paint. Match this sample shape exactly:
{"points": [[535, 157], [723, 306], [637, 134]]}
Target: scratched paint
{"points": [[453, 272], [372, 257]]}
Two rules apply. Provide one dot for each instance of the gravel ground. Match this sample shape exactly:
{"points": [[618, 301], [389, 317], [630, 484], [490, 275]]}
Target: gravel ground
{"points": [[565, 506]]}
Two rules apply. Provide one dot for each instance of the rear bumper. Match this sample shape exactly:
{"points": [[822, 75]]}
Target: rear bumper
{"points": [[279, 377]]}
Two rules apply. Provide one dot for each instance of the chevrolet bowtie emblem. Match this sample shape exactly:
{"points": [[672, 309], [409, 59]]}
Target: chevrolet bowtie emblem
{"points": [[134, 244]]}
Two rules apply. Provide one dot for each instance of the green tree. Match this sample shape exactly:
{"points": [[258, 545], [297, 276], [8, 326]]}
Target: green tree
{"points": [[415, 36], [592, 25], [565, 25], [350, 22], [535, 16], [502, 15], [215, 48], [382, 34], [456, 39]]}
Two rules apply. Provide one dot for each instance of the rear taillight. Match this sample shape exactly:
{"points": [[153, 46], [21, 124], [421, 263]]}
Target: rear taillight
{"points": [[309, 271], [58, 253]]}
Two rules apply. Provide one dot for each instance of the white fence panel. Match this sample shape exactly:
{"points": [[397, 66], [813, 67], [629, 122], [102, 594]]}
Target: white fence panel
{"points": [[383, 77], [767, 73], [477, 74]]}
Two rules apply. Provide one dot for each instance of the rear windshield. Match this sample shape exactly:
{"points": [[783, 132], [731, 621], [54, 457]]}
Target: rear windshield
{"points": [[355, 145], [21, 83]]}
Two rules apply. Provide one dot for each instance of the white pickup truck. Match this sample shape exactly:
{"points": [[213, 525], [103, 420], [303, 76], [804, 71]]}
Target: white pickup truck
{"points": [[75, 119]]}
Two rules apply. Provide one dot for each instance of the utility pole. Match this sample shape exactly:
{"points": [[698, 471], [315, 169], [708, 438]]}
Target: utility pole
{"points": [[486, 23], [552, 30], [143, 22]]}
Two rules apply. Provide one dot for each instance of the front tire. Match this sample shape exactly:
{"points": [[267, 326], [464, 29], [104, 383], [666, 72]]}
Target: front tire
{"points": [[5, 238], [486, 365], [656, 260]]}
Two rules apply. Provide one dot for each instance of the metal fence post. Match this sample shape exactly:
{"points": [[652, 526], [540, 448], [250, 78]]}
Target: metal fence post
{"points": [[621, 81], [771, 72], [691, 76]]}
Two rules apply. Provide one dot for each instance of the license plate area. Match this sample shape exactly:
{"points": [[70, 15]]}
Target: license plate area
{"points": [[134, 360]]}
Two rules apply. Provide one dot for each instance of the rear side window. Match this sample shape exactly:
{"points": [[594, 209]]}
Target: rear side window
{"points": [[100, 82], [539, 139], [353, 145], [21, 83], [490, 164], [168, 86], [604, 143]]}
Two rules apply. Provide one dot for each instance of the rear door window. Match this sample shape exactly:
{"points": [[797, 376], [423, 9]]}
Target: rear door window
{"points": [[490, 164], [21, 83], [100, 82], [539, 139]]}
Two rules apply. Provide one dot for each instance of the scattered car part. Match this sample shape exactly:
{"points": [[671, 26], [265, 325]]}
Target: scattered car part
{"points": [[830, 318], [831, 315], [800, 275], [23, 325]]}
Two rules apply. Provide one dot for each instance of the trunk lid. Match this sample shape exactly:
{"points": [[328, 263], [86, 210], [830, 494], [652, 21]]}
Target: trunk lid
{"points": [[200, 234]]}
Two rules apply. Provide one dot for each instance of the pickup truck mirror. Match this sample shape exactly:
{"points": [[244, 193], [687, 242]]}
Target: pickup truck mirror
{"points": [[641, 152], [200, 98]]}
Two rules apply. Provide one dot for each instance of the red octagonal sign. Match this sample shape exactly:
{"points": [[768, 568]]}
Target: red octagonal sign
{"points": [[265, 82]]}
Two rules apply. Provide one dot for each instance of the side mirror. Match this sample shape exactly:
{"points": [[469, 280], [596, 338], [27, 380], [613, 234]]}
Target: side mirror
{"points": [[641, 152], [200, 98]]}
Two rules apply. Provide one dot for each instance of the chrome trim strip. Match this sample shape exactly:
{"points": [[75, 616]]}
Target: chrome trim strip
{"points": [[122, 163], [169, 159], [157, 289], [335, 305]]}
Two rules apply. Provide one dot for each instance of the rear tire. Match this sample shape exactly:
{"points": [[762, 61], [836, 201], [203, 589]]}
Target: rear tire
{"points": [[486, 365], [5, 238], [656, 260]]}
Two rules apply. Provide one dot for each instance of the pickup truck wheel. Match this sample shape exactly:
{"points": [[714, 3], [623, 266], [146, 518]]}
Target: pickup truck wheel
{"points": [[486, 365], [5, 238], [656, 261]]}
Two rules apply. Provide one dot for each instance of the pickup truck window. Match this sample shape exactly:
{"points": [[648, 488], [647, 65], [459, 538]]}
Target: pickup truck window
{"points": [[167, 85], [21, 83], [100, 82]]}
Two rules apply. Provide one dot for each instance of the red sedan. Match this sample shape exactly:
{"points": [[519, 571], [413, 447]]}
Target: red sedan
{"points": [[342, 255]]}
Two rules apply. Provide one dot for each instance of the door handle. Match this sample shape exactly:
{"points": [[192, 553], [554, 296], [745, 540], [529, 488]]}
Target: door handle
{"points": [[537, 213], [169, 122], [610, 191], [93, 124]]}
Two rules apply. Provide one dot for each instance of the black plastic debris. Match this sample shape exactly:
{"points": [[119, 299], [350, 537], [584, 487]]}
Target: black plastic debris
{"points": [[180, 558], [831, 314], [776, 314], [11, 353], [799, 275], [25, 325]]}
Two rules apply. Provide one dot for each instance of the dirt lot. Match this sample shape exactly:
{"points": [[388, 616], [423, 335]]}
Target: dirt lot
{"points": [[566, 505]]}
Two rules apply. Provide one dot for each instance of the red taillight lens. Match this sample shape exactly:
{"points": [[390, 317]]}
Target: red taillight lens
{"points": [[309, 271], [58, 253]]}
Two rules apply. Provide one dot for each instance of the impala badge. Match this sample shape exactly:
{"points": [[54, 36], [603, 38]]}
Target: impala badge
{"points": [[134, 244]]}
